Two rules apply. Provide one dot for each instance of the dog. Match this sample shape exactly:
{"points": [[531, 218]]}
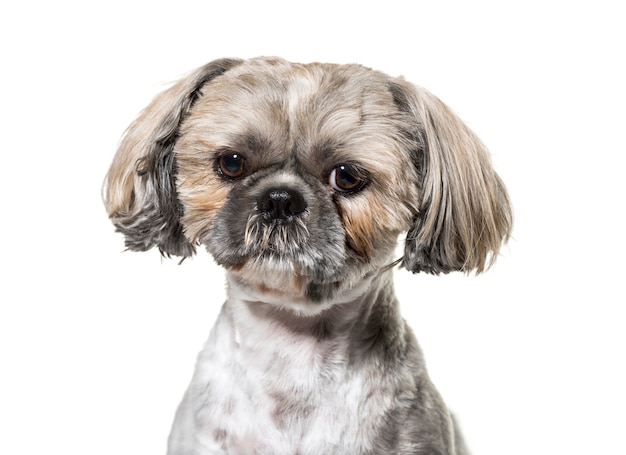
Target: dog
{"points": [[299, 179]]}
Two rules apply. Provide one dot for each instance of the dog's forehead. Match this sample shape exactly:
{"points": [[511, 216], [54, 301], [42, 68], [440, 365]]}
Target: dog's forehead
{"points": [[301, 92], [295, 108], [306, 82]]}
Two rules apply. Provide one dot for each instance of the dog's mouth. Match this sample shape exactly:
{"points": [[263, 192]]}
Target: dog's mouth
{"points": [[282, 257], [273, 255], [284, 237], [276, 248]]}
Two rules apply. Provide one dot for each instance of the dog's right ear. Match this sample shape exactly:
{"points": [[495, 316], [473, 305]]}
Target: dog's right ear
{"points": [[140, 188]]}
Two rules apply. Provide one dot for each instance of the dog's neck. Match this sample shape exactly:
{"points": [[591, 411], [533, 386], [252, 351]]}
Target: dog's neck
{"points": [[275, 377], [357, 322]]}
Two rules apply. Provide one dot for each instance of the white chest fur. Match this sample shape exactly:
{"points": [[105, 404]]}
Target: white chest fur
{"points": [[263, 388]]}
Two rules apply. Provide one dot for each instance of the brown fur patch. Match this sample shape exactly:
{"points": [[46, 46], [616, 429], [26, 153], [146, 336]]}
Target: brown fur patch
{"points": [[372, 221], [201, 202]]}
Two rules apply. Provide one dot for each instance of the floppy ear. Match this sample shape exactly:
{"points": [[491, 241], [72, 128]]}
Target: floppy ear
{"points": [[464, 210], [140, 188]]}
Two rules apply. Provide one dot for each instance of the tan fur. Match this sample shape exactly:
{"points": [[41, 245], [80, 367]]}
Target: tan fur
{"points": [[201, 207]]}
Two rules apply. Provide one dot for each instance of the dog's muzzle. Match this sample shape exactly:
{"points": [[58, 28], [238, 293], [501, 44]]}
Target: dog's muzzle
{"points": [[278, 221]]}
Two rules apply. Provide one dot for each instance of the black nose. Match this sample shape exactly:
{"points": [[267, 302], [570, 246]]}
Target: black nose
{"points": [[281, 204]]}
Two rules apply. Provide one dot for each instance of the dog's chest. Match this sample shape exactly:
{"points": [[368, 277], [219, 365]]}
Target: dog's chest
{"points": [[285, 395]]}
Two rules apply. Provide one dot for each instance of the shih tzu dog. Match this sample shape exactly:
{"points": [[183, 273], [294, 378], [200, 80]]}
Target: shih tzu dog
{"points": [[298, 180]]}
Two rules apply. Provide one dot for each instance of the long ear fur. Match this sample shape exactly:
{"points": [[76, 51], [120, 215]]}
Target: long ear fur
{"points": [[139, 190], [464, 212]]}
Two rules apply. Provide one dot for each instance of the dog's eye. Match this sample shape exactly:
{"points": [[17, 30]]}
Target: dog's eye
{"points": [[232, 166], [346, 179]]}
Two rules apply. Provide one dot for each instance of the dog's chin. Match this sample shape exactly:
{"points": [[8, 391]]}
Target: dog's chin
{"points": [[286, 278], [274, 274], [257, 282]]}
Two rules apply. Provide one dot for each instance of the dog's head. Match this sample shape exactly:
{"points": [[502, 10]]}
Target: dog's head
{"points": [[300, 178]]}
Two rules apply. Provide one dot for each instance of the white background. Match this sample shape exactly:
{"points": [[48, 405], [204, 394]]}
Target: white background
{"points": [[98, 345]]}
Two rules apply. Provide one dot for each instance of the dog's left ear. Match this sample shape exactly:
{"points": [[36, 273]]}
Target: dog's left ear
{"points": [[464, 210], [140, 188]]}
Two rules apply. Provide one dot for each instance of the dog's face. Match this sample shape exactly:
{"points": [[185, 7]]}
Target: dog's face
{"points": [[293, 176], [299, 178]]}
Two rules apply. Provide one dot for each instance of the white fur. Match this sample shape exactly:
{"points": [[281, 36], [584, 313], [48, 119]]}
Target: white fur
{"points": [[299, 90], [248, 361]]}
